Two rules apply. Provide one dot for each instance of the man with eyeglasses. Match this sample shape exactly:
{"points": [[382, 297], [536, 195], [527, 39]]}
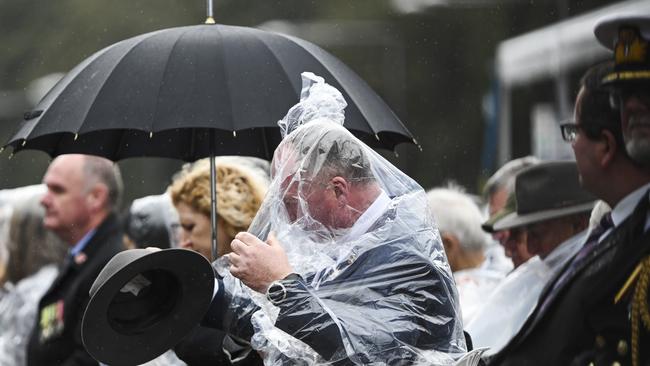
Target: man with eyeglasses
{"points": [[588, 310]]}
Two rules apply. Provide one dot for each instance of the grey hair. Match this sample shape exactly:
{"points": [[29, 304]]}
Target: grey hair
{"points": [[100, 170], [456, 213], [504, 178]]}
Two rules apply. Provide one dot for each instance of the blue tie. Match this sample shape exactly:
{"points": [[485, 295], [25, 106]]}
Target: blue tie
{"points": [[592, 242]]}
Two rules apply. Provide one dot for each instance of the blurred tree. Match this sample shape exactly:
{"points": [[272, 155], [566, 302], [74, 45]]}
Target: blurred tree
{"points": [[432, 67]]}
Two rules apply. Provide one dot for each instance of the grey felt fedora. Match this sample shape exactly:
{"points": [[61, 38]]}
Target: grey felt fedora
{"points": [[546, 191], [144, 302]]}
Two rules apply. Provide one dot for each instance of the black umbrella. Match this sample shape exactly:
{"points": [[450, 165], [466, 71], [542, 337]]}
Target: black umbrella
{"points": [[158, 94], [193, 92]]}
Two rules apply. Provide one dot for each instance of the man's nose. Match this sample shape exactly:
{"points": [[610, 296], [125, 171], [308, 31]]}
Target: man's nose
{"points": [[186, 244], [501, 236], [45, 200]]}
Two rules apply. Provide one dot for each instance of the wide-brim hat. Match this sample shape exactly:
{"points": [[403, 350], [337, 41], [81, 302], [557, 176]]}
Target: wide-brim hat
{"points": [[546, 191], [509, 208], [144, 302], [628, 36]]}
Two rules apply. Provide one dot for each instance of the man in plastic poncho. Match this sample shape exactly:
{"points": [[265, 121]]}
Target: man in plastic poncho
{"points": [[343, 260]]}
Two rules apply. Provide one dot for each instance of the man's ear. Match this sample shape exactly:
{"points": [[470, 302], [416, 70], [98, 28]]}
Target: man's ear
{"points": [[609, 148], [452, 249], [450, 242], [98, 196], [340, 187]]}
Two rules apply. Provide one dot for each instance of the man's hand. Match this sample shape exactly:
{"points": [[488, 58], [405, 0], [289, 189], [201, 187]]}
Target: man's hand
{"points": [[257, 263]]}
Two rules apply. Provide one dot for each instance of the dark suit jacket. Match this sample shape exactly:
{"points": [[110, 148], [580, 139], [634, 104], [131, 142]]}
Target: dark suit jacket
{"points": [[582, 324], [56, 336], [205, 347], [365, 307]]}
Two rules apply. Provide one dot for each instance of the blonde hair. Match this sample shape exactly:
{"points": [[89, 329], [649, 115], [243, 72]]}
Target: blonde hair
{"points": [[242, 183]]}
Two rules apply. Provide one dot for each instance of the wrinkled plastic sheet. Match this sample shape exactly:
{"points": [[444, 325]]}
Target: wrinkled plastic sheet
{"points": [[379, 292], [18, 307]]}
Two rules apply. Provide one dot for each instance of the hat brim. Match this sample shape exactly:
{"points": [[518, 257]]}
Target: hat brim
{"points": [[514, 220], [187, 281], [606, 30], [488, 226]]}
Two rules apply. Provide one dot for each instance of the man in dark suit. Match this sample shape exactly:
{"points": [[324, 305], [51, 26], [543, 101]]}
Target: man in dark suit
{"points": [[356, 272], [583, 314], [80, 204]]}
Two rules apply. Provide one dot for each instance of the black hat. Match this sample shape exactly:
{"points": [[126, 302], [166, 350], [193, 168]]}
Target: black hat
{"points": [[144, 302], [628, 36], [510, 207], [546, 191]]}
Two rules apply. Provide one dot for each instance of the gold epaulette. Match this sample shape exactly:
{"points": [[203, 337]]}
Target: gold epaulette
{"points": [[640, 312]]}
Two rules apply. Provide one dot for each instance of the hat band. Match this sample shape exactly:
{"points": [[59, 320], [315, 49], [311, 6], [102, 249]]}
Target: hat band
{"points": [[626, 75]]}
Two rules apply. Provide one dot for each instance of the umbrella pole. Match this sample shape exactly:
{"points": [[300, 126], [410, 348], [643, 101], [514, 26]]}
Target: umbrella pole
{"points": [[210, 19], [213, 197]]}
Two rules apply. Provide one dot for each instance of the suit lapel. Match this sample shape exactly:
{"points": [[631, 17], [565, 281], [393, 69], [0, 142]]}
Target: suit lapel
{"points": [[71, 265]]}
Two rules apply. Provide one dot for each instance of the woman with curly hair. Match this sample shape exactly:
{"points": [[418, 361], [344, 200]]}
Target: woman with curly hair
{"points": [[241, 185]]}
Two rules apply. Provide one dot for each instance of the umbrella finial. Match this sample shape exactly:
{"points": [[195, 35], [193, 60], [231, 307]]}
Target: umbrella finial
{"points": [[150, 134], [76, 136], [23, 143], [210, 19], [234, 133], [377, 137]]}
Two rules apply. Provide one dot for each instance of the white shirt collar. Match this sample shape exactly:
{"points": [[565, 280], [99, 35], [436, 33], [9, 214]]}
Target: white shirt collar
{"points": [[558, 256], [372, 213], [624, 208]]}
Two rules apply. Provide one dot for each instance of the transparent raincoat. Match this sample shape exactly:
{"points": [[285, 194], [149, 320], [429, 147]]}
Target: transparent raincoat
{"points": [[374, 285], [19, 300]]}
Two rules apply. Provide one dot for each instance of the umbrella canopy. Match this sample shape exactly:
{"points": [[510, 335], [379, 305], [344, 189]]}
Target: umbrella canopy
{"points": [[172, 92]]}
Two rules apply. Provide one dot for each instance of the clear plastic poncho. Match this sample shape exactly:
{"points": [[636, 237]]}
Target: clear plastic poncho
{"points": [[376, 287]]}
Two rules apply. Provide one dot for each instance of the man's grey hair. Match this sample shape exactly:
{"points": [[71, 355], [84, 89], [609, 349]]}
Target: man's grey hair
{"points": [[504, 178], [100, 170], [334, 151], [456, 213]]}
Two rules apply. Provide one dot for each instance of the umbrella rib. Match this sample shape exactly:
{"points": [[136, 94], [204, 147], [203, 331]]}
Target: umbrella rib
{"points": [[115, 64], [300, 43], [164, 74], [224, 69]]}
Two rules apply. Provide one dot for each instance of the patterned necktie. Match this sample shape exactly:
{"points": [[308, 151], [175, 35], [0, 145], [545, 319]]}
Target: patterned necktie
{"points": [[592, 242]]}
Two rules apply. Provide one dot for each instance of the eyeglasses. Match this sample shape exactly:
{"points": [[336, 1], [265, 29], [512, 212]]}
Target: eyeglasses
{"points": [[569, 131]]}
